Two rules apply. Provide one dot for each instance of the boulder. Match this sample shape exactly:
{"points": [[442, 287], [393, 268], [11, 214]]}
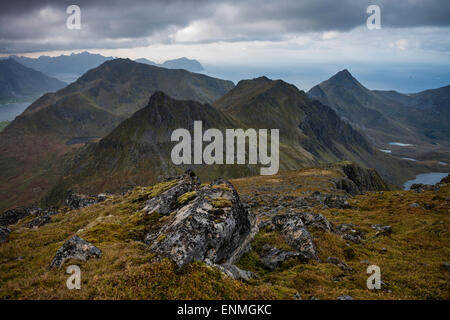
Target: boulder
{"points": [[75, 248], [348, 232], [296, 234], [39, 221], [4, 234], [272, 258], [168, 201], [208, 224]]}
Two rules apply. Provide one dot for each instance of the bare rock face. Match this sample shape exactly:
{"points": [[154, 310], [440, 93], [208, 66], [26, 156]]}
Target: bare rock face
{"points": [[13, 216], [4, 234], [206, 223], [75, 248], [296, 234]]}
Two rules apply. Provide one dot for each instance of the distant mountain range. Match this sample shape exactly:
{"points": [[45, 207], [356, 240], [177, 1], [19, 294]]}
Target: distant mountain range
{"points": [[69, 67], [388, 116], [95, 104], [19, 83], [111, 128], [181, 63]]}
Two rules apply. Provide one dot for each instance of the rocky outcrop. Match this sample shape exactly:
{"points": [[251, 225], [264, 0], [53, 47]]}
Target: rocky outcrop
{"points": [[296, 234], [75, 248], [315, 220], [340, 264], [13, 216], [39, 221], [358, 180], [167, 202], [272, 257], [206, 223], [77, 201], [4, 234], [349, 232]]}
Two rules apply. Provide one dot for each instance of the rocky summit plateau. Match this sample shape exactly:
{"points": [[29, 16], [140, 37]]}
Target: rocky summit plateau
{"points": [[302, 234]]}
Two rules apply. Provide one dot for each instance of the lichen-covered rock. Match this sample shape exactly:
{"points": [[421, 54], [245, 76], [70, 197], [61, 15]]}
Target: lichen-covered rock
{"points": [[349, 232], [296, 234], [39, 221], [315, 220], [337, 202], [213, 226], [272, 258], [172, 199], [75, 248], [13, 216], [4, 234], [77, 201]]}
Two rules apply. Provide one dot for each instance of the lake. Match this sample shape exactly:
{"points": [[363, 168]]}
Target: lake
{"points": [[9, 111], [425, 178]]}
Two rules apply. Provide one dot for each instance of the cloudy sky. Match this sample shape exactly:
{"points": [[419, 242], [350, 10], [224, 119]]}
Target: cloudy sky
{"points": [[247, 37]]}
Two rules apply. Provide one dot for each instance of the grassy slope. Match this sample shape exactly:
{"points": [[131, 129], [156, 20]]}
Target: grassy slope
{"points": [[3, 124], [410, 266]]}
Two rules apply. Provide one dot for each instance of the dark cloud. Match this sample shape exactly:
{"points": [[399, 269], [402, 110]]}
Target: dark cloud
{"points": [[40, 25]]}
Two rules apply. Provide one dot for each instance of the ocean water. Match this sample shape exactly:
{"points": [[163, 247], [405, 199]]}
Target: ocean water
{"points": [[425, 178], [400, 144], [9, 111]]}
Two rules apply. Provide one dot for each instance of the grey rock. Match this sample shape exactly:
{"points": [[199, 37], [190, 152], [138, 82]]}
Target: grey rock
{"points": [[13, 216], [167, 202], [214, 227], [77, 201], [315, 220], [39, 221], [4, 234], [272, 258], [337, 201], [414, 205], [345, 297], [75, 248], [342, 265], [382, 230], [296, 234], [348, 232], [297, 296]]}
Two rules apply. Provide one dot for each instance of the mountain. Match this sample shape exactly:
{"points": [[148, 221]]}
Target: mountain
{"points": [[146, 61], [139, 149], [64, 67], [33, 144], [386, 117], [18, 82], [181, 63]]}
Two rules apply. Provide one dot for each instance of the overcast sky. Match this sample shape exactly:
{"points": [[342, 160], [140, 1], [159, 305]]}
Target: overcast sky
{"points": [[245, 32]]}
